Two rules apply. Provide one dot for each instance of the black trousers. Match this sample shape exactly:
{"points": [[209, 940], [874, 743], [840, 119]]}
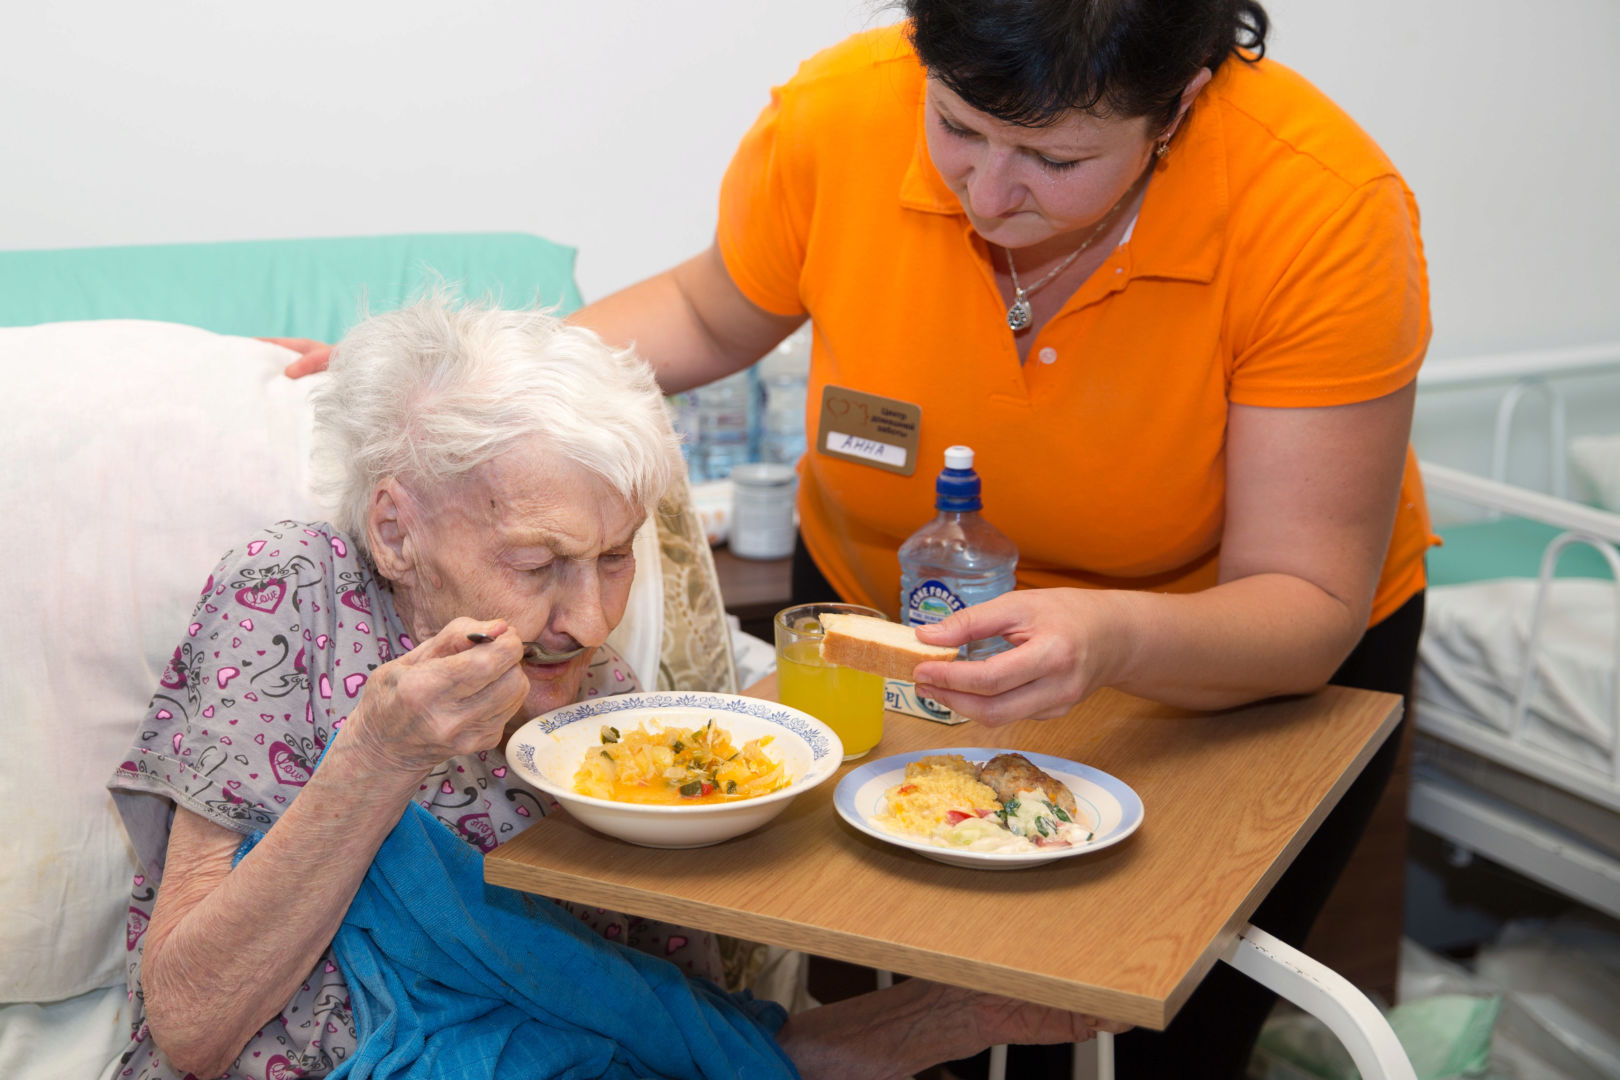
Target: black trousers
{"points": [[1215, 1031]]}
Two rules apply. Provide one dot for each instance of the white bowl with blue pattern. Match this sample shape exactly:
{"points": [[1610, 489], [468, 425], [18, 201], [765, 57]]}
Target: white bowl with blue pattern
{"points": [[547, 752]]}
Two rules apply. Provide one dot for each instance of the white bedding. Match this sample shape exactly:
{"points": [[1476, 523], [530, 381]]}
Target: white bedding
{"points": [[1472, 655], [77, 1039]]}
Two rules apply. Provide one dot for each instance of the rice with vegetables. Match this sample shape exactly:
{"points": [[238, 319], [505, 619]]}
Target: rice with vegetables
{"points": [[678, 766]]}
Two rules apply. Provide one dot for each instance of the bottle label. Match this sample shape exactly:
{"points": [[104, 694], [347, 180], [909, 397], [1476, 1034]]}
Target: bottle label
{"points": [[901, 696], [930, 602]]}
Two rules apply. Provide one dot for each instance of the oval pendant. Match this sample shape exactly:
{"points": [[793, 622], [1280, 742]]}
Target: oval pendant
{"points": [[1019, 314]]}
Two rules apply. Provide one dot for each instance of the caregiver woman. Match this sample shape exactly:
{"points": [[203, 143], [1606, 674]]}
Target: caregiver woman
{"points": [[1176, 301]]}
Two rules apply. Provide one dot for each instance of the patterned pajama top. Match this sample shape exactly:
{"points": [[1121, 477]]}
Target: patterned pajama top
{"points": [[286, 632]]}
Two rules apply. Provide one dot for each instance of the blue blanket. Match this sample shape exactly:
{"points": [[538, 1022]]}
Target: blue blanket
{"points": [[453, 979]]}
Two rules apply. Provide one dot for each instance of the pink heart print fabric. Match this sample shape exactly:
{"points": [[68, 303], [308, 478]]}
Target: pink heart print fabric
{"points": [[286, 632]]}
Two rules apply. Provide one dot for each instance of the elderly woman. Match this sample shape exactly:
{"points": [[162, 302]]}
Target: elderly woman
{"points": [[488, 471]]}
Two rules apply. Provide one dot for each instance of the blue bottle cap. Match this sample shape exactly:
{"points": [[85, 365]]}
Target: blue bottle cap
{"points": [[957, 488]]}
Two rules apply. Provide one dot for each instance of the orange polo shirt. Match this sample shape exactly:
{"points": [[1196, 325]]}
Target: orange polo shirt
{"points": [[1275, 262]]}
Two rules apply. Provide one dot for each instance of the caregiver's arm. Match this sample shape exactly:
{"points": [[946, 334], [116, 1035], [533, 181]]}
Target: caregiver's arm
{"points": [[692, 323], [227, 948], [1310, 506]]}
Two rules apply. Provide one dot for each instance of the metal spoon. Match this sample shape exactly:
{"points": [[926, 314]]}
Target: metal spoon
{"points": [[533, 651]]}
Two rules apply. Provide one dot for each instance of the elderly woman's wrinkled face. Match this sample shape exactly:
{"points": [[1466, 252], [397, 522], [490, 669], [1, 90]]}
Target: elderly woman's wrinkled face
{"points": [[541, 543], [1022, 186]]}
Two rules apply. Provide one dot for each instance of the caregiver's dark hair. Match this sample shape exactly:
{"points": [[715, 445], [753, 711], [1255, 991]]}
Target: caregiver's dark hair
{"points": [[1029, 61]]}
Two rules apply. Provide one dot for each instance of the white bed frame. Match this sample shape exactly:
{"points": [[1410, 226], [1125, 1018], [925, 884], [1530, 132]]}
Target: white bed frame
{"points": [[1465, 814]]}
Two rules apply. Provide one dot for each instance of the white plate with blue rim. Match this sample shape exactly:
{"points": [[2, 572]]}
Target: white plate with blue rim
{"points": [[1107, 805], [546, 753]]}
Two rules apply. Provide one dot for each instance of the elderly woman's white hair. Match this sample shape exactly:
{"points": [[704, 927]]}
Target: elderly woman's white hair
{"points": [[439, 387]]}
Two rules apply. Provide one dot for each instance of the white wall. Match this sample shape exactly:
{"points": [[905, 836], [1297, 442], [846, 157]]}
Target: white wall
{"points": [[1505, 120], [606, 124]]}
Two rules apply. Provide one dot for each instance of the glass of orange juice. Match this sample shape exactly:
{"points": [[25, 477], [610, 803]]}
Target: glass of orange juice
{"points": [[848, 701]]}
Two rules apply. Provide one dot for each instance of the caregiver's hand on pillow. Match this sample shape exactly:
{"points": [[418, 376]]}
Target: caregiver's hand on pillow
{"points": [[313, 355]]}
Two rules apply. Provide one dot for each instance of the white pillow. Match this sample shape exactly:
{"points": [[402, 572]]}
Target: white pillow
{"points": [[81, 1038], [1597, 463], [132, 455]]}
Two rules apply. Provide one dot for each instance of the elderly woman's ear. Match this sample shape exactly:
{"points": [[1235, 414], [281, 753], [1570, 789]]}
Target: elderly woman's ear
{"points": [[393, 520]]}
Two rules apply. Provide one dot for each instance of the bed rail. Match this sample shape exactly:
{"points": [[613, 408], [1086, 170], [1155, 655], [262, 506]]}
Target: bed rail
{"points": [[1530, 373], [1508, 367], [1527, 678], [1496, 495]]}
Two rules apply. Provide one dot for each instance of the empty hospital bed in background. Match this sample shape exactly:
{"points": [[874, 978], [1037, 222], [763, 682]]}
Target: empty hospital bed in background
{"points": [[1517, 756]]}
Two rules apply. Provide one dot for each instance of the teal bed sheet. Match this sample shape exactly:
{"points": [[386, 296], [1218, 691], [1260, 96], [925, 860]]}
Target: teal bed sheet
{"points": [[1510, 547], [314, 288]]}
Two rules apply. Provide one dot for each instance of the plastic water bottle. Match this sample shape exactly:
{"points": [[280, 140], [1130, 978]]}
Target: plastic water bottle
{"points": [[724, 422], [784, 376], [683, 417], [958, 559]]}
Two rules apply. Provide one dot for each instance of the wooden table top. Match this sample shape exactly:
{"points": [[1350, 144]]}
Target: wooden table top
{"points": [[1126, 932]]}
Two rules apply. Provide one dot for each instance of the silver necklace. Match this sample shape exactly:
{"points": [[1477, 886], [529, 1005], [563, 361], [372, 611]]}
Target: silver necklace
{"points": [[1019, 314]]}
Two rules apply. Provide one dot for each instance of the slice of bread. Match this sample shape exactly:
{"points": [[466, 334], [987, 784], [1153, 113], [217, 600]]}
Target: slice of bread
{"points": [[883, 648]]}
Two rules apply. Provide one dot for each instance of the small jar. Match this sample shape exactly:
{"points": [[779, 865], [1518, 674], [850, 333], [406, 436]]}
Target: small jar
{"points": [[762, 510]]}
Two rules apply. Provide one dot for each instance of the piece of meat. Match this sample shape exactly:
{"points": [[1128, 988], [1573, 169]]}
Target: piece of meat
{"points": [[1008, 774]]}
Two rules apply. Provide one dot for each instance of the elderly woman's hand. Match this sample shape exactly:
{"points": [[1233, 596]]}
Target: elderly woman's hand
{"points": [[1065, 646], [444, 698], [893, 1033], [1001, 1020]]}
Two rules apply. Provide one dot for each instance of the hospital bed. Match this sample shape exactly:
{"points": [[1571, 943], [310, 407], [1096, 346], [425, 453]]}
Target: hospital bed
{"points": [[1517, 753], [146, 432]]}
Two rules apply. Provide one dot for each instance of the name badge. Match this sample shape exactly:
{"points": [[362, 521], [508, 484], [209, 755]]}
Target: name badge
{"points": [[869, 430]]}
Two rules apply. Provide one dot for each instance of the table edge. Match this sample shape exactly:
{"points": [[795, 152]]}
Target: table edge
{"points": [[852, 948]]}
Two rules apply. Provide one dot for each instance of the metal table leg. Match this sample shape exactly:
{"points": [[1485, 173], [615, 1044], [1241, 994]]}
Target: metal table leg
{"points": [[1313, 986], [1326, 995]]}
